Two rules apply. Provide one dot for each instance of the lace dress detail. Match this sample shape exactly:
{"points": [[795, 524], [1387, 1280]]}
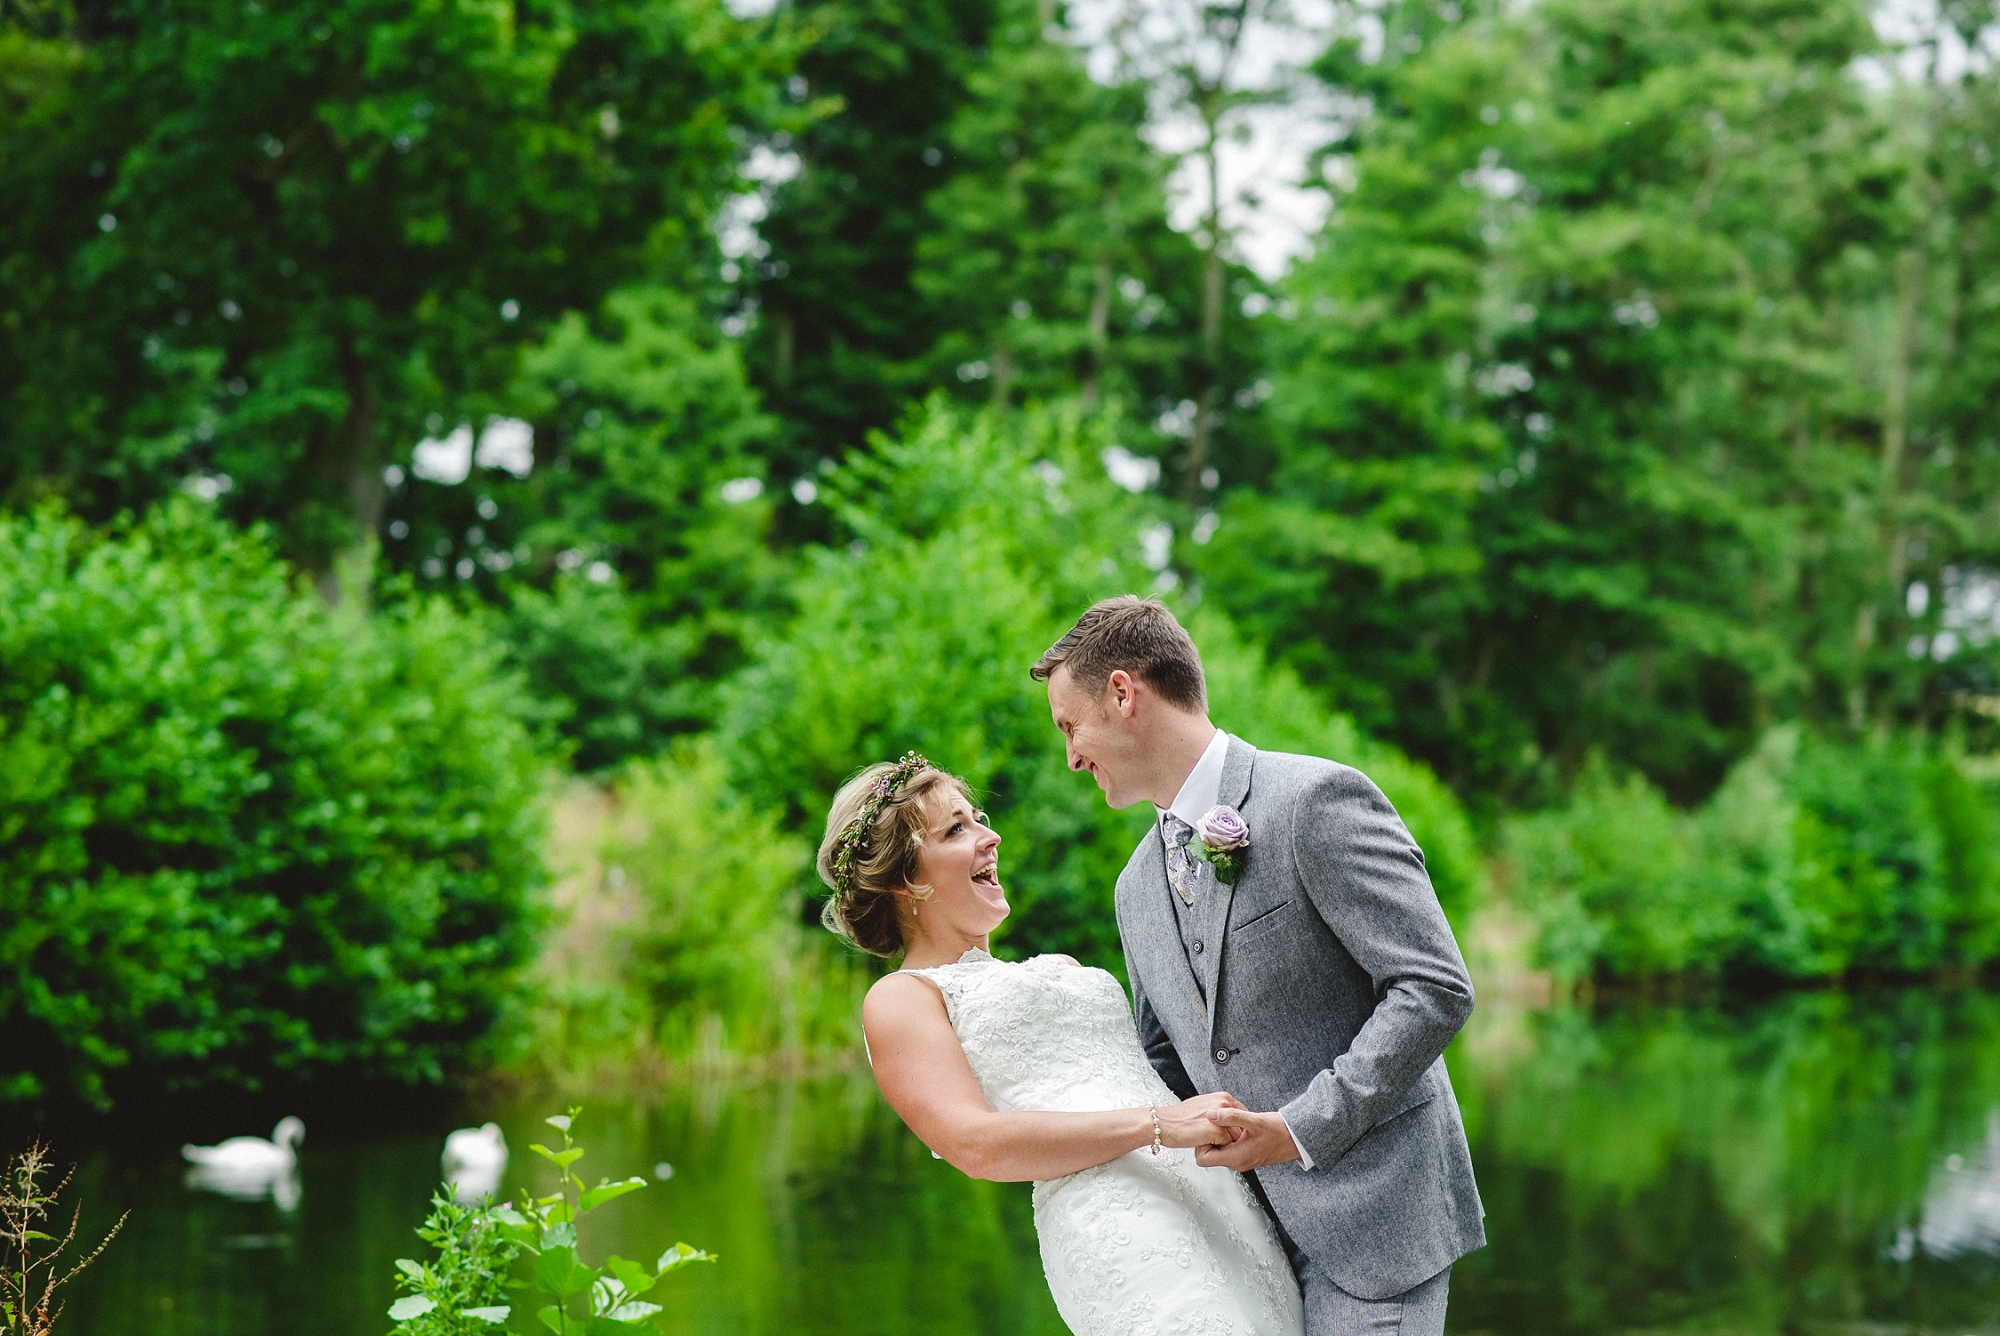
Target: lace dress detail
{"points": [[1144, 1245]]}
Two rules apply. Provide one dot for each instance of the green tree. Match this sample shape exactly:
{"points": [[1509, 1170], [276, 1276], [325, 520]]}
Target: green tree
{"points": [[627, 566], [266, 242], [1553, 471], [837, 315], [1050, 264]]}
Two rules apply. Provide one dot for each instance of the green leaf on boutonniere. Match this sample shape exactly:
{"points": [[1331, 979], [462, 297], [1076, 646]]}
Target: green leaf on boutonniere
{"points": [[1228, 863]]}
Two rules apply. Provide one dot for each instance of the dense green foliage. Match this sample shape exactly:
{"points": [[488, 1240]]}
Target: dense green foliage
{"points": [[711, 965], [1812, 859], [1622, 408], [965, 549], [244, 838], [624, 571], [1614, 476], [269, 241], [463, 1290]]}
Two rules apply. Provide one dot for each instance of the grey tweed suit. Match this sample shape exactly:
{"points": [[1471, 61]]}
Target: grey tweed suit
{"points": [[1333, 984]]}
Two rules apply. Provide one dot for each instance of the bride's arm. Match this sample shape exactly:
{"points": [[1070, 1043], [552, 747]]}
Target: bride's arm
{"points": [[923, 1074]]}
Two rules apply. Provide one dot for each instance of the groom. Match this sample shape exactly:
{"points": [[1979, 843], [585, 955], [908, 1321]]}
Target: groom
{"points": [[1309, 972]]}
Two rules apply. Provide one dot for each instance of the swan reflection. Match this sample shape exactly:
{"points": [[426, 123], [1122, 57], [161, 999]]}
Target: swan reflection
{"points": [[1962, 1206]]}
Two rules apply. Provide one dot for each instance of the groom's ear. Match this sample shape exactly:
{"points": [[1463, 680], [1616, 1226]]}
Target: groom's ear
{"points": [[1121, 691]]}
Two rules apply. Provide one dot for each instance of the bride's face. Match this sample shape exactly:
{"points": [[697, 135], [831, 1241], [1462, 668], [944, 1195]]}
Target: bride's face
{"points": [[961, 864]]}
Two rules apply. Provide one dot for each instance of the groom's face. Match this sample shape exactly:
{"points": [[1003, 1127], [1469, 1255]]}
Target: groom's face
{"points": [[1098, 733]]}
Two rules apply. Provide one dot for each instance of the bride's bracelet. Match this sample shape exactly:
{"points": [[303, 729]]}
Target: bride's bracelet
{"points": [[1156, 1130]]}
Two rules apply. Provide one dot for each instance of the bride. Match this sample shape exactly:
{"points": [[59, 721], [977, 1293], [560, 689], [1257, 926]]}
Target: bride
{"points": [[1035, 1071]]}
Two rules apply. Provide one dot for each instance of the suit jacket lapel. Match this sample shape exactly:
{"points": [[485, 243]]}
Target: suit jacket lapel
{"points": [[1214, 906], [1237, 763]]}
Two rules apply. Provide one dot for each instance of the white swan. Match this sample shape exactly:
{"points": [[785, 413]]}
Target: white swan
{"points": [[250, 1168], [474, 1159]]}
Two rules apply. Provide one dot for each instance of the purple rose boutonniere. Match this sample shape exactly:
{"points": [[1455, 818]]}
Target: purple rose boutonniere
{"points": [[1225, 841]]}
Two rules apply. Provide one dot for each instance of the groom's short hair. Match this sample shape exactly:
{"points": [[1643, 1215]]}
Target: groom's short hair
{"points": [[1138, 635]]}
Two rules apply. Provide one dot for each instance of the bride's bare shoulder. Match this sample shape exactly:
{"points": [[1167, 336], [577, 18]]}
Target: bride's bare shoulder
{"points": [[901, 1010], [900, 990]]}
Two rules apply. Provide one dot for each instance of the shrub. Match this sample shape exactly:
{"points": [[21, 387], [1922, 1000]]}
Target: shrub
{"points": [[967, 549], [611, 687], [244, 837], [1815, 858], [713, 964]]}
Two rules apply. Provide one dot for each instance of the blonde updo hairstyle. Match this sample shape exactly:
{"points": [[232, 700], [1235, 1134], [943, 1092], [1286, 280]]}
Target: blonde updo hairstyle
{"points": [[864, 912]]}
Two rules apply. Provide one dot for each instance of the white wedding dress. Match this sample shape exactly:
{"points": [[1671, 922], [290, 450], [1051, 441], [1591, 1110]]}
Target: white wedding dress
{"points": [[1145, 1245]]}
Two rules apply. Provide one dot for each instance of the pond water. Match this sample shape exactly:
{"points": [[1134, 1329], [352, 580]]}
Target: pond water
{"points": [[1819, 1162]]}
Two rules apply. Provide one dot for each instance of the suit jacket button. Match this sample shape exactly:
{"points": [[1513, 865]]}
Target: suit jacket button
{"points": [[1222, 1055], [1197, 946]]}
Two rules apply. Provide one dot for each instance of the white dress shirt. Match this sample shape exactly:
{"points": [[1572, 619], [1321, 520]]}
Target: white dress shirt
{"points": [[1200, 792], [1203, 786]]}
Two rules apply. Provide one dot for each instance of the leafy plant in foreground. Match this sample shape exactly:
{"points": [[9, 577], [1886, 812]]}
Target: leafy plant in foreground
{"points": [[464, 1290], [477, 1245], [29, 1278]]}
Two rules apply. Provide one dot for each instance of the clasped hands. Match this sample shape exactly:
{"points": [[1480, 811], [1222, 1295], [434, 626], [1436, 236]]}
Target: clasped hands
{"points": [[1226, 1135]]}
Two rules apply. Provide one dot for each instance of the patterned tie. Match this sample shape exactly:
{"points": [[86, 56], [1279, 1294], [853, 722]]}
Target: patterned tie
{"points": [[1182, 869]]}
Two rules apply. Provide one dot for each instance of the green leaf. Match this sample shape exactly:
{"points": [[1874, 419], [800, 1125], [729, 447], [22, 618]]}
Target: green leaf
{"points": [[559, 1273], [630, 1274], [680, 1255], [551, 1317], [409, 1306], [409, 1268], [495, 1313], [559, 1121], [559, 1236], [562, 1159], [634, 1310], [608, 1191]]}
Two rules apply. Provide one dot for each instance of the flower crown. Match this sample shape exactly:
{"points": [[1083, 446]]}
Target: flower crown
{"points": [[854, 835]]}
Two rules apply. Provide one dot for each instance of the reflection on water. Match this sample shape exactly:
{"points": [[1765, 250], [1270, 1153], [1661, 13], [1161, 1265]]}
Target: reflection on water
{"points": [[1962, 1205], [1818, 1163], [1771, 1168]]}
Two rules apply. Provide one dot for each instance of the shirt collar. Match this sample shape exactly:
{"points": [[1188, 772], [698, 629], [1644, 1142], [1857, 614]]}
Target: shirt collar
{"points": [[1203, 786]]}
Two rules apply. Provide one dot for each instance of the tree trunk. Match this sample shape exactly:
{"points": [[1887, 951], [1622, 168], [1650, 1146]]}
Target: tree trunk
{"points": [[1099, 326], [1211, 326], [1003, 372], [1895, 441], [785, 352], [357, 466]]}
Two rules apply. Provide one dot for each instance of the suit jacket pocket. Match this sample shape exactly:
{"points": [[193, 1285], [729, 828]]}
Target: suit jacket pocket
{"points": [[1275, 917]]}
